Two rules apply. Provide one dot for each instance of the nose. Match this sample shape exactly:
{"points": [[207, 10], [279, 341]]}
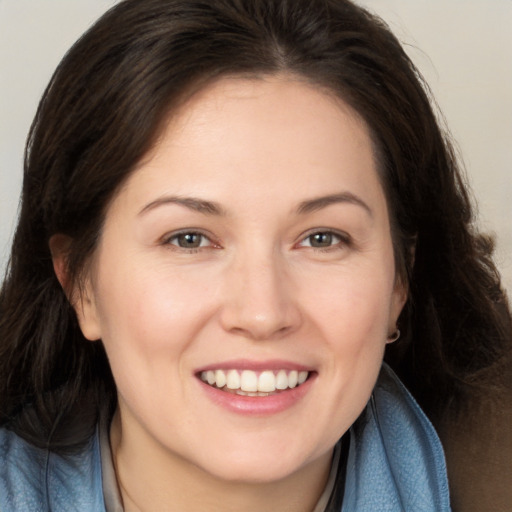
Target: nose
{"points": [[259, 301]]}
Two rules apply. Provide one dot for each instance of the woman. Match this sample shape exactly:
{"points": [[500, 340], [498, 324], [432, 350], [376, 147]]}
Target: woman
{"points": [[230, 209]]}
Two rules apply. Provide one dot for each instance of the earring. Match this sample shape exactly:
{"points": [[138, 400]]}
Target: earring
{"points": [[394, 336]]}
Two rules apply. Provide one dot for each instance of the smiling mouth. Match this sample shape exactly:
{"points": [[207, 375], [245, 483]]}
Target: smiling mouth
{"points": [[251, 383]]}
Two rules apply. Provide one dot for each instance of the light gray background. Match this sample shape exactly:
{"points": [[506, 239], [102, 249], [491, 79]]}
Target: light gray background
{"points": [[463, 48]]}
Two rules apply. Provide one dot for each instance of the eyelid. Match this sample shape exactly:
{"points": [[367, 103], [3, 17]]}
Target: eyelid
{"points": [[345, 238], [169, 237]]}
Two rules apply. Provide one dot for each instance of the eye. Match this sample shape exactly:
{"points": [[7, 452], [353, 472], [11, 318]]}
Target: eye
{"points": [[189, 240], [323, 240]]}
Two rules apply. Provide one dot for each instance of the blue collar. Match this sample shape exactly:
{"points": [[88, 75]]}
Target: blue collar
{"points": [[396, 461]]}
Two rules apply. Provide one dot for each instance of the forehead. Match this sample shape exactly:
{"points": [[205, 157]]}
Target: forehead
{"points": [[268, 136], [243, 101]]}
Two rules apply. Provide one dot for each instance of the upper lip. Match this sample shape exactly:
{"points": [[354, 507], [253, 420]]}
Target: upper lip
{"points": [[256, 366]]}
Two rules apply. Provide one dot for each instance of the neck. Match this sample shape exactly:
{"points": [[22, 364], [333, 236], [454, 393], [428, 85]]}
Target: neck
{"points": [[150, 479]]}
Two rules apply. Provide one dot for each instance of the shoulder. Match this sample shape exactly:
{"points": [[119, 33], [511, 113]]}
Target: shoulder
{"points": [[396, 461], [39, 480], [21, 474]]}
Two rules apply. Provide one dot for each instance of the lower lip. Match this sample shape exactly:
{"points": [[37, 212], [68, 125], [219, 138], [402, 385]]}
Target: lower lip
{"points": [[258, 405]]}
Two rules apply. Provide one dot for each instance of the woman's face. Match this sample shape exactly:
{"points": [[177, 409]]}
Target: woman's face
{"points": [[251, 249]]}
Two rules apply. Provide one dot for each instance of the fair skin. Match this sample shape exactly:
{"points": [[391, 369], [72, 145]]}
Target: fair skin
{"points": [[254, 238]]}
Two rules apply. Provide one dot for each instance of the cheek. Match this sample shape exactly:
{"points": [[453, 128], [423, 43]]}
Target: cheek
{"points": [[148, 323], [354, 323], [148, 320], [352, 305], [150, 301]]}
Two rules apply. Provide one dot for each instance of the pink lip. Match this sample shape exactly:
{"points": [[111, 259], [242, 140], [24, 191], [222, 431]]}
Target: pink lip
{"points": [[257, 405], [255, 366]]}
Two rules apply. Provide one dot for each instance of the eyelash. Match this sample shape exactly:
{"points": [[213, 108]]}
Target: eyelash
{"points": [[168, 240], [343, 240]]}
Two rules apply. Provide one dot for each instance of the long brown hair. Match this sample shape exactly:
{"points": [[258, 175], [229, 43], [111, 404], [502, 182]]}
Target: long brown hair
{"points": [[103, 110]]}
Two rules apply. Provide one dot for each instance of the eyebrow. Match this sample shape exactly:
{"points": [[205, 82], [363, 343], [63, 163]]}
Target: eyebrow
{"points": [[318, 203], [192, 203], [212, 208]]}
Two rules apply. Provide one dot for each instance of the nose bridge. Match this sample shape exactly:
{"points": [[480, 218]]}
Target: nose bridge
{"points": [[259, 302]]}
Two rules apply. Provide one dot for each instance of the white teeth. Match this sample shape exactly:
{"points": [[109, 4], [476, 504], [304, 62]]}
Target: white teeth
{"points": [[248, 382], [293, 378], [233, 379], [210, 377], [220, 379], [281, 380], [267, 381], [249, 393]]}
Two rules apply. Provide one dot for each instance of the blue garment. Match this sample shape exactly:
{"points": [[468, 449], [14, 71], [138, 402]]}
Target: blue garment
{"points": [[395, 461], [395, 464]]}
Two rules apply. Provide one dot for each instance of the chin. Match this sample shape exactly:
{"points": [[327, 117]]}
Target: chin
{"points": [[255, 466], [248, 473]]}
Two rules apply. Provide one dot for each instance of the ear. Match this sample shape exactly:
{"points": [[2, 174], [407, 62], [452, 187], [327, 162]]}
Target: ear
{"points": [[59, 248], [398, 300], [81, 295], [401, 288]]}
